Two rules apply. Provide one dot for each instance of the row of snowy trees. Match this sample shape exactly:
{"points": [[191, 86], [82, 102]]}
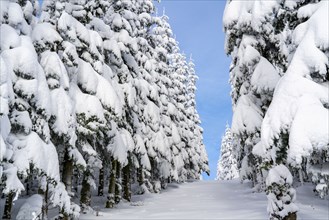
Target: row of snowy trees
{"points": [[279, 77], [93, 94]]}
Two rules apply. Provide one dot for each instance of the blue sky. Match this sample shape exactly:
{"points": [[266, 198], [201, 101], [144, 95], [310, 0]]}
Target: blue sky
{"points": [[197, 26]]}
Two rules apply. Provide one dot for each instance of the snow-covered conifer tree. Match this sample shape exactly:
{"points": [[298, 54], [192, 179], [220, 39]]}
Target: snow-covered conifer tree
{"points": [[96, 101], [94, 118], [162, 43], [177, 96], [227, 164], [284, 134], [199, 158], [300, 138], [120, 56], [29, 145], [257, 38], [152, 151], [175, 71]]}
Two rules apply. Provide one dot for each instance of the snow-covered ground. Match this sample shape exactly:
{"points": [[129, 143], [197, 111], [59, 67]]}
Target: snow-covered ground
{"points": [[201, 200], [209, 200]]}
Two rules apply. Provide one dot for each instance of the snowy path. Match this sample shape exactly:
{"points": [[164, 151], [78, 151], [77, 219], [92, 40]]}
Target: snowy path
{"points": [[197, 200], [208, 200]]}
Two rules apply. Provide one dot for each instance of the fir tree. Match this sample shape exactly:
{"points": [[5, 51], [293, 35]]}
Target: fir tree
{"points": [[277, 138], [227, 164], [290, 140], [32, 151], [251, 45], [120, 51]]}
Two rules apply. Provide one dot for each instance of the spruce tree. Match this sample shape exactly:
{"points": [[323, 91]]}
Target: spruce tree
{"points": [[279, 109], [227, 164], [32, 151], [120, 51], [260, 53], [290, 139], [199, 159]]}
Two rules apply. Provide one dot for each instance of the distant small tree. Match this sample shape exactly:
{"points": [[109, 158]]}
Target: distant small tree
{"points": [[227, 165]]}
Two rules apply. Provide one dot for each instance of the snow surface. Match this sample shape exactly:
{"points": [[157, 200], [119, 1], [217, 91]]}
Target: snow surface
{"points": [[199, 200], [207, 200], [31, 209]]}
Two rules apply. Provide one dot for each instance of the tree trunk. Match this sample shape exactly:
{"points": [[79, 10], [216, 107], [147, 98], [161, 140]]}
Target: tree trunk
{"points": [[118, 184], [67, 178], [85, 197], [111, 191], [291, 216], [301, 178], [126, 182], [46, 201], [27, 186], [67, 172], [76, 177], [254, 178], [140, 174], [153, 167], [44, 208], [101, 182], [8, 206], [29, 180], [64, 215]]}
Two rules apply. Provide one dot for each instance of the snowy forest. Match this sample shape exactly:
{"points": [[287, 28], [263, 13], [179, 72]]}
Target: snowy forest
{"points": [[98, 112], [94, 94]]}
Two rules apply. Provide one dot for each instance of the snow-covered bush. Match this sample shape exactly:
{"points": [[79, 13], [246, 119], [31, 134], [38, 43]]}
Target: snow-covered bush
{"points": [[280, 194]]}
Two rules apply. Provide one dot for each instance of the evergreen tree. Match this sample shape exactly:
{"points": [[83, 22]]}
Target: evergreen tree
{"points": [[147, 115], [159, 38], [199, 158], [283, 129], [227, 164], [185, 136], [29, 148], [120, 50], [253, 46], [92, 77], [290, 138]]}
